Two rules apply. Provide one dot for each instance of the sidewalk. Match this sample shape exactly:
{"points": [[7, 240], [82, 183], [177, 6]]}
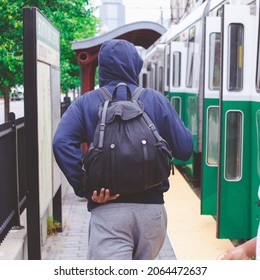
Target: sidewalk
{"points": [[71, 244]]}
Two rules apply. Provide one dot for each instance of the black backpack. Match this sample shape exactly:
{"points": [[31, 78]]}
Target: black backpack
{"points": [[127, 154]]}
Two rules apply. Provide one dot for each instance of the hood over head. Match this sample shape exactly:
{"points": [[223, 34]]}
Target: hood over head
{"points": [[118, 60]]}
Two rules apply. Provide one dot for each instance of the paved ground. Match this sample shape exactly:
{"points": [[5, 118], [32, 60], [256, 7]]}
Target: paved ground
{"points": [[192, 235], [72, 242]]}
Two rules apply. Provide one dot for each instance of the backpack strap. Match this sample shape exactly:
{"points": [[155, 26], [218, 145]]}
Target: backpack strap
{"points": [[105, 93], [137, 93], [107, 96], [148, 121], [152, 127], [102, 125]]}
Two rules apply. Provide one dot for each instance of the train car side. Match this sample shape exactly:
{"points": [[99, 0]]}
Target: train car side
{"points": [[212, 80]]}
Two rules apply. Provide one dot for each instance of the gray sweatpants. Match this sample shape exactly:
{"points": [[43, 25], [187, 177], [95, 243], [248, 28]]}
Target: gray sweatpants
{"points": [[126, 231]]}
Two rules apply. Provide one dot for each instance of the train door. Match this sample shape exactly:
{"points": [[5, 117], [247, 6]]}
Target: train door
{"points": [[255, 146], [159, 61], [238, 67], [211, 116], [178, 59], [178, 62]]}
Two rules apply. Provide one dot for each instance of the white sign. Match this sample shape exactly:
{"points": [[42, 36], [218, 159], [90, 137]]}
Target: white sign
{"points": [[44, 134], [48, 41]]}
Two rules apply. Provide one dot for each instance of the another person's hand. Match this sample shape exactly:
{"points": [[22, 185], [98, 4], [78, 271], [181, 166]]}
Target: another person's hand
{"points": [[236, 253], [245, 251], [104, 196]]}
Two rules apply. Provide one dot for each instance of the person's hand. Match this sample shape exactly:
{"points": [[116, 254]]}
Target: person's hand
{"points": [[245, 251], [237, 253], [104, 196]]}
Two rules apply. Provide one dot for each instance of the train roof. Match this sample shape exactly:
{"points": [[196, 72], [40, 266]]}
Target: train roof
{"points": [[197, 14]]}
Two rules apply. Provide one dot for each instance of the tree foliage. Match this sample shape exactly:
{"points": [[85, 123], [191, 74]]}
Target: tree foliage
{"points": [[74, 19]]}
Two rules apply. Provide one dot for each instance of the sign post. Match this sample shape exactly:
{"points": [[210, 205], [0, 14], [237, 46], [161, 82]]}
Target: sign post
{"points": [[42, 114]]}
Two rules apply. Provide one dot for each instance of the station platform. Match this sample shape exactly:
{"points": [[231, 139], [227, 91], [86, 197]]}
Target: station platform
{"points": [[190, 236]]}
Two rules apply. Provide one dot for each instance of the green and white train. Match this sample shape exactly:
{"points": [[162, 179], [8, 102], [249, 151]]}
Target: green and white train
{"points": [[208, 66]]}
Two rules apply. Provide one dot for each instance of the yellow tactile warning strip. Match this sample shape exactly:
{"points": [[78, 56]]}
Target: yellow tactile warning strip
{"points": [[192, 235]]}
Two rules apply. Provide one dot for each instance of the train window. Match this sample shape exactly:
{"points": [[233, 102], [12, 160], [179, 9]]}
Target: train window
{"points": [[152, 79], [212, 135], [258, 72], [161, 79], [190, 62], [258, 65], [168, 70], [214, 61], [193, 114], [233, 154], [235, 65], [144, 80], [258, 140], [176, 104], [220, 12], [156, 76], [176, 75]]}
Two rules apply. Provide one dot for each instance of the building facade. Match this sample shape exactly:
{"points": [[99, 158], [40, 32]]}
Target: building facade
{"points": [[112, 14]]}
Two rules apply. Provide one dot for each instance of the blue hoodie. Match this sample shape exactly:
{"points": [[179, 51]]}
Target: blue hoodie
{"points": [[118, 61]]}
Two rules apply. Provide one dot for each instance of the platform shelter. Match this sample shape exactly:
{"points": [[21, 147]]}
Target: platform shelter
{"points": [[142, 34]]}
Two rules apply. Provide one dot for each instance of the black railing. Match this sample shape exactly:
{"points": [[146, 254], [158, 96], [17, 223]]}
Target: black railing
{"points": [[65, 104], [12, 174], [20, 136]]}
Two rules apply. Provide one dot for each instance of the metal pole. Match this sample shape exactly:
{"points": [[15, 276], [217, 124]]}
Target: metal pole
{"points": [[31, 130]]}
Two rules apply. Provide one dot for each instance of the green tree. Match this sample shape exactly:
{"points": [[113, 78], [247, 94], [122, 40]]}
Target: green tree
{"points": [[74, 19]]}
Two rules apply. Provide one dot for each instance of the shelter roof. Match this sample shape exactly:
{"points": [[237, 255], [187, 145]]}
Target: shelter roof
{"points": [[142, 33]]}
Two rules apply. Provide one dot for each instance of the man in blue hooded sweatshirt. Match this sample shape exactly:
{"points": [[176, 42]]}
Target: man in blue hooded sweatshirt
{"points": [[127, 226]]}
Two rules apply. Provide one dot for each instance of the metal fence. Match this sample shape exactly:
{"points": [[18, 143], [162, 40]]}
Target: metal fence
{"points": [[65, 104], [12, 174]]}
